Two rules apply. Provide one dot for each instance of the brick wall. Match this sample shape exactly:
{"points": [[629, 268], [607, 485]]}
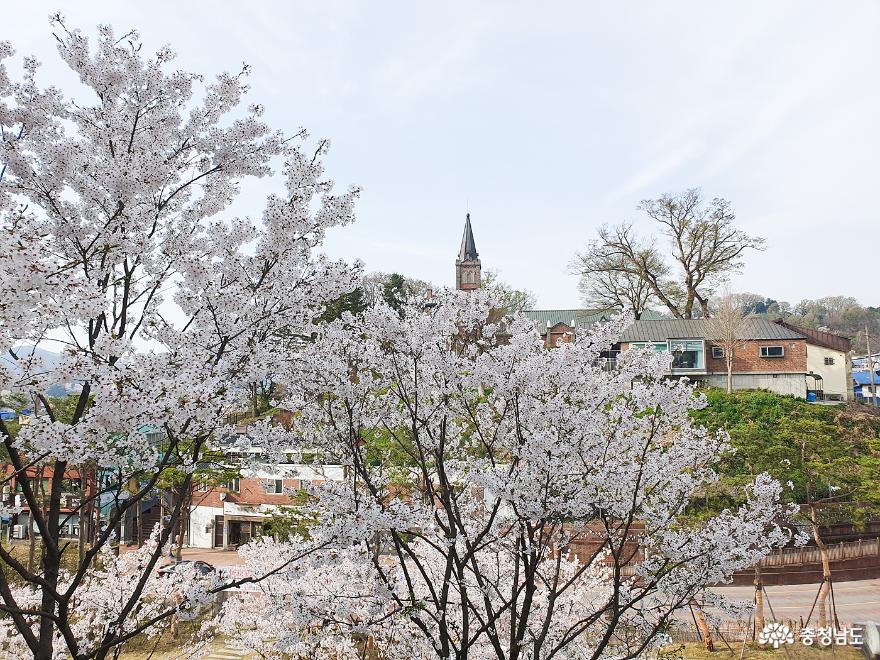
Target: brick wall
{"points": [[748, 358], [251, 491]]}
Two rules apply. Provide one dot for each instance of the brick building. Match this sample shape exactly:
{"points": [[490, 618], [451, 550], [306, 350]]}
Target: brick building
{"points": [[772, 356], [230, 515]]}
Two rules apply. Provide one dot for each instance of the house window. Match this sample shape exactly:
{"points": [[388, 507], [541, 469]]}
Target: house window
{"points": [[772, 351], [717, 352], [274, 486], [233, 485], [203, 487], [829, 361], [687, 354]]}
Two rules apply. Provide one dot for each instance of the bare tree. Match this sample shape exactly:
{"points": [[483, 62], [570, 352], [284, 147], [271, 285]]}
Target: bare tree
{"points": [[705, 248], [515, 300], [726, 330], [614, 288]]}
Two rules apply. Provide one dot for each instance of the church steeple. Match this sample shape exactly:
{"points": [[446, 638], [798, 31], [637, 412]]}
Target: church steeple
{"points": [[467, 266]]}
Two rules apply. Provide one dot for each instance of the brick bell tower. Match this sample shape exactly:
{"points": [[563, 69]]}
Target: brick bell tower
{"points": [[467, 266]]}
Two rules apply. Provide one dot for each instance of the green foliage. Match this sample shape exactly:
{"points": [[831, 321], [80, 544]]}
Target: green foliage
{"points": [[289, 521], [213, 468], [395, 292], [830, 454], [353, 301]]}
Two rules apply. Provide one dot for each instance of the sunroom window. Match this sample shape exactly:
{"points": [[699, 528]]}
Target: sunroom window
{"points": [[687, 353]]}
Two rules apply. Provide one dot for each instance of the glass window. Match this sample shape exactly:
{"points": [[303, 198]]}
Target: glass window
{"points": [[772, 351], [233, 485], [829, 361], [717, 352], [687, 354]]}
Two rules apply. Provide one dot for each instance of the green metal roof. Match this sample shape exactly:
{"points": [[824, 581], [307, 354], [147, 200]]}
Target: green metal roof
{"points": [[575, 318], [653, 330]]}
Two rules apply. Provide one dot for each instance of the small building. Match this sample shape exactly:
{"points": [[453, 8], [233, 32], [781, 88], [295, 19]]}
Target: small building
{"points": [[772, 357], [828, 357], [230, 515], [862, 389]]}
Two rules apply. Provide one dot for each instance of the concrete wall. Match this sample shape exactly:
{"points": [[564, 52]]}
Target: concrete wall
{"points": [[794, 384], [835, 378]]}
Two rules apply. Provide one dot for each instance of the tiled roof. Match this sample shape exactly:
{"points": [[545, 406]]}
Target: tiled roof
{"points": [[701, 328], [574, 318]]}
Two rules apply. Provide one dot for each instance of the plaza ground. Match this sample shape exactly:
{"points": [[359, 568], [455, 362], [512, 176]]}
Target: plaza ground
{"points": [[858, 600]]}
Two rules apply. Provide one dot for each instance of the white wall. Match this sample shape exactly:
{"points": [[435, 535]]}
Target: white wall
{"points": [[794, 384], [200, 517], [836, 378]]}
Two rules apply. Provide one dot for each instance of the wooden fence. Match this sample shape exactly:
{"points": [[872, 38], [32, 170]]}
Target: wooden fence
{"points": [[811, 554]]}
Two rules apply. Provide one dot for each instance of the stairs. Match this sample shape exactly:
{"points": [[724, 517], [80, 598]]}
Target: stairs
{"points": [[223, 652]]}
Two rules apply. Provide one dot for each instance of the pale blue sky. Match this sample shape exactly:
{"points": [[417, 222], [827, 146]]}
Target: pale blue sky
{"points": [[548, 119]]}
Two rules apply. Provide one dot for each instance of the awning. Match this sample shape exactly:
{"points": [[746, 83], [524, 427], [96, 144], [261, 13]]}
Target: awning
{"points": [[237, 518]]}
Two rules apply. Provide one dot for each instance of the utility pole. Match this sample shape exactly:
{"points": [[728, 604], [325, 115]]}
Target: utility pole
{"points": [[870, 367]]}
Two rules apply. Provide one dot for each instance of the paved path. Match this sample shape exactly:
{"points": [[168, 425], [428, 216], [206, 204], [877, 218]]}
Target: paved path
{"points": [[858, 600], [214, 556]]}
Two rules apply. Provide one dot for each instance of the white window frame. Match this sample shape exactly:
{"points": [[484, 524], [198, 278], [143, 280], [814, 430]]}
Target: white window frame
{"points": [[274, 486], [234, 485], [764, 351]]}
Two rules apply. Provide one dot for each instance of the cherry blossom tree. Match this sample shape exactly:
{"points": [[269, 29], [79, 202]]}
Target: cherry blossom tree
{"points": [[503, 500], [117, 251]]}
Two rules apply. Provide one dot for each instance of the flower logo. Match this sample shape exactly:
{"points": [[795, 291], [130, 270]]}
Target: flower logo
{"points": [[776, 634]]}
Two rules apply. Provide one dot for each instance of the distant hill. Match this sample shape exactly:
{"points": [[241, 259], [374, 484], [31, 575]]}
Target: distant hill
{"points": [[50, 358]]}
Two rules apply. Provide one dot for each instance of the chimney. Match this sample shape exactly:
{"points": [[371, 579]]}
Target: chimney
{"points": [[429, 294]]}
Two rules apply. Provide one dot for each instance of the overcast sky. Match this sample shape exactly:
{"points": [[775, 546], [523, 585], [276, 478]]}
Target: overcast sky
{"points": [[548, 122]]}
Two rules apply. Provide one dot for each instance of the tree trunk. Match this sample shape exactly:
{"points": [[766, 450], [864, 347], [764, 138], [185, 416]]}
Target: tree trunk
{"points": [[759, 602], [182, 522], [822, 601], [729, 375], [32, 537], [32, 543], [139, 521], [703, 625]]}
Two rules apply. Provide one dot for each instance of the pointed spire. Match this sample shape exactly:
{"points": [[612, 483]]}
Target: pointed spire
{"points": [[468, 249]]}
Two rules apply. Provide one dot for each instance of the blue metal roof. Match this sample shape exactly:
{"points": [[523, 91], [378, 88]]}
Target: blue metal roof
{"points": [[864, 377]]}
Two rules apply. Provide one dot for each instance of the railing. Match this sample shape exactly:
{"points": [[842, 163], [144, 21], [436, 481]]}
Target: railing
{"points": [[812, 555]]}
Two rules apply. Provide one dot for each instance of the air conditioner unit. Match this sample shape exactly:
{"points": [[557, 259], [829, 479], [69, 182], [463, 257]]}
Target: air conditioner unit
{"points": [[19, 532]]}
